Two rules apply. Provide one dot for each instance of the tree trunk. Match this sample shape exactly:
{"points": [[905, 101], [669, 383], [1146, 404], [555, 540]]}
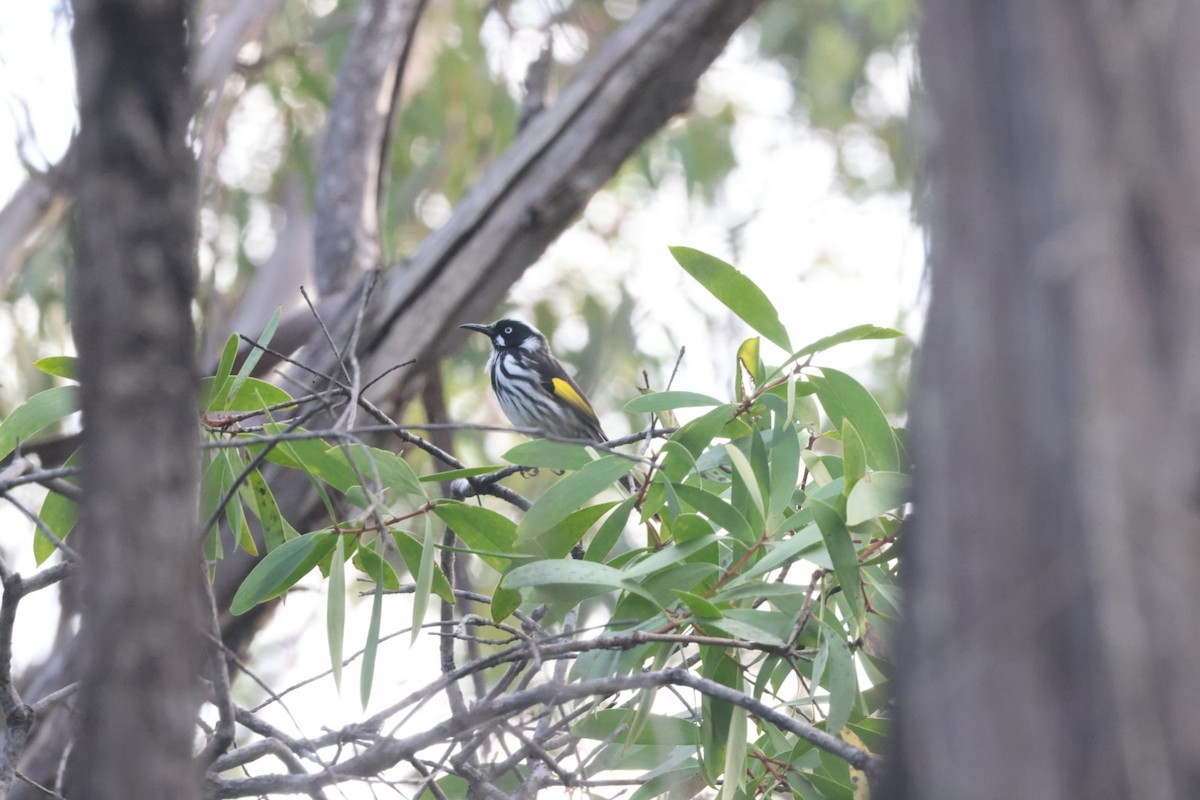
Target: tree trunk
{"points": [[134, 730], [1054, 570]]}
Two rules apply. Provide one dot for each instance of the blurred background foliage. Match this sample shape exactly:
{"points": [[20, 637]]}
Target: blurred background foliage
{"points": [[258, 138]]}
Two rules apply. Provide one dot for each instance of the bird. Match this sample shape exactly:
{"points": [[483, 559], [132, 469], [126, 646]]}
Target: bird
{"points": [[533, 387]]}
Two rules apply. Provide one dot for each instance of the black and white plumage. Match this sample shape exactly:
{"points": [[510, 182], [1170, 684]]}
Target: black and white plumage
{"points": [[533, 387]]}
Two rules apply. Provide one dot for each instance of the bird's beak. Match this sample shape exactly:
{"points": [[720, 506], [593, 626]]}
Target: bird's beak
{"points": [[486, 330]]}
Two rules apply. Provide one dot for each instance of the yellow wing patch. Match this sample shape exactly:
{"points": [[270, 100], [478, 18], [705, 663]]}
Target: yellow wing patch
{"points": [[567, 392]]}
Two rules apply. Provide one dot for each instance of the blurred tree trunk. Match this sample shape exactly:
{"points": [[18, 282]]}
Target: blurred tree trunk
{"points": [[134, 730], [1054, 572]]}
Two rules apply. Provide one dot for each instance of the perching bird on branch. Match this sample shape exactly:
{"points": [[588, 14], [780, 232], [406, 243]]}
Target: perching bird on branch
{"points": [[532, 385]]}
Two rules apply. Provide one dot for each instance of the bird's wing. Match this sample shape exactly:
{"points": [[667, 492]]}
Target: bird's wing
{"points": [[560, 384]]}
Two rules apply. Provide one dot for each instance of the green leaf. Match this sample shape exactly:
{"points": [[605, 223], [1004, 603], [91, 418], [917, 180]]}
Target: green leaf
{"points": [[480, 529], [669, 401], [741, 466], [252, 395], [856, 334], [411, 553], [504, 603], [785, 471], [854, 455], [267, 511], [558, 541], [424, 579], [36, 413], [839, 680], [845, 399], [749, 368], [739, 294], [739, 629], [610, 531], [656, 729], [591, 577], [876, 494], [280, 569], [547, 454], [692, 439], [256, 353], [394, 472], [454, 474], [59, 513], [785, 552], [313, 456], [841, 553], [213, 390], [700, 607], [335, 608], [367, 675], [671, 557], [735, 754], [376, 567], [58, 366], [720, 665], [717, 510], [570, 493]]}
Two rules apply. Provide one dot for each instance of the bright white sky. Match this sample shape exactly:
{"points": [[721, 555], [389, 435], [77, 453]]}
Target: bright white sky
{"points": [[839, 263]]}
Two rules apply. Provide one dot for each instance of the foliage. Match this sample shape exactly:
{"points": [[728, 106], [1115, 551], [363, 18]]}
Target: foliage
{"points": [[755, 564]]}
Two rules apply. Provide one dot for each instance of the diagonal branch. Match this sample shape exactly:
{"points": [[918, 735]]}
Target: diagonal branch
{"points": [[352, 155]]}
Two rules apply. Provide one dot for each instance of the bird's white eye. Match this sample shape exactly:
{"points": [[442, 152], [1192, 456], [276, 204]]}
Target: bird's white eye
{"points": [[508, 331]]}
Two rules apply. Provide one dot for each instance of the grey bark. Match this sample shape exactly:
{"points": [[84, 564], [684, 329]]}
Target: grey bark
{"points": [[1054, 570], [134, 239], [354, 150]]}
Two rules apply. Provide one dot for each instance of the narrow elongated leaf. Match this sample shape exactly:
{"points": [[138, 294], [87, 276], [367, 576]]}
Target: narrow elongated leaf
{"points": [[747, 631], [575, 574], [393, 471], [454, 474], [547, 454], [335, 608], [253, 394], [280, 569], [267, 511], [610, 531], [367, 675], [717, 510], [741, 466], [785, 471], [877, 493], [856, 334], [411, 553], [739, 294], [213, 390], [669, 401], [841, 553], [373, 565], [480, 529], [839, 680], [255, 353], [845, 399], [656, 729], [735, 754], [559, 540], [59, 513], [424, 579], [701, 608], [802, 542], [570, 493], [35, 414], [313, 456], [692, 439], [58, 366], [854, 454]]}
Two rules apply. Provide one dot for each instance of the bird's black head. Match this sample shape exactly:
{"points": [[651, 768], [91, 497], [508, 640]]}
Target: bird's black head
{"points": [[509, 333]]}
